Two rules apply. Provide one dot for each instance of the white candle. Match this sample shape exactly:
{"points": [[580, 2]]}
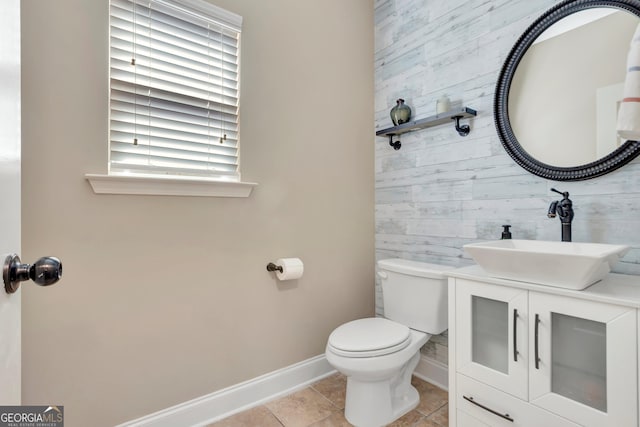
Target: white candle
{"points": [[442, 105]]}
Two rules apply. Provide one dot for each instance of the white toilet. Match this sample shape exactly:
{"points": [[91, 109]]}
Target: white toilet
{"points": [[378, 355]]}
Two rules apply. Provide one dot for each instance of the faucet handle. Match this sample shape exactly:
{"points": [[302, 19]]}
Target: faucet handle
{"points": [[564, 194]]}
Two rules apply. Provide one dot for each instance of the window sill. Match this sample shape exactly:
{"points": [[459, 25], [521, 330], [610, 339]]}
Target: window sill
{"points": [[168, 186]]}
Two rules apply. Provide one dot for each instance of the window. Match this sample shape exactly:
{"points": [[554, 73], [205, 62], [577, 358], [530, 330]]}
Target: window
{"points": [[173, 89]]}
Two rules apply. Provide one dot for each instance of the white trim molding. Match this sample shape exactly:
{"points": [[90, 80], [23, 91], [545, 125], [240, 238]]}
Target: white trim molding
{"points": [[213, 407], [168, 186], [432, 371], [223, 403]]}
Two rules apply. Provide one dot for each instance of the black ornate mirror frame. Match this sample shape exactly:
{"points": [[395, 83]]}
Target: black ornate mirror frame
{"points": [[621, 156]]}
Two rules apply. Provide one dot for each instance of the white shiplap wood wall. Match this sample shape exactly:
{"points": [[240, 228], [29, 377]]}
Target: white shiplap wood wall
{"points": [[441, 190]]}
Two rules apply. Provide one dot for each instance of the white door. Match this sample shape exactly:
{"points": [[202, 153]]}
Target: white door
{"points": [[491, 331], [586, 360], [9, 195]]}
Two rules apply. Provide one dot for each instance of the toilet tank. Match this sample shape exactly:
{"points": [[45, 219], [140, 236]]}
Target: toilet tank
{"points": [[415, 294]]}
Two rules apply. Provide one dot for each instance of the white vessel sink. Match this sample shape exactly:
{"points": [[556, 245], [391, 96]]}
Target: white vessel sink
{"points": [[569, 265]]}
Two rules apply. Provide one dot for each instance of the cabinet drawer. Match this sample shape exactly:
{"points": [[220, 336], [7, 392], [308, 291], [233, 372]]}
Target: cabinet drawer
{"points": [[466, 420], [495, 408]]}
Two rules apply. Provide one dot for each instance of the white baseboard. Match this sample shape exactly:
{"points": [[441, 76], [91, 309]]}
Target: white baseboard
{"points": [[435, 372], [223, 403], [220, 404]]}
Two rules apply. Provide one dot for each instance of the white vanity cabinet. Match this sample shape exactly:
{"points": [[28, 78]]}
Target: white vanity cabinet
{"points": [[530, 355]]}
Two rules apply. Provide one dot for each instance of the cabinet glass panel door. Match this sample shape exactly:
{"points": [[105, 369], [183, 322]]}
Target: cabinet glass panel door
{"points": [[579, 360], [490, 333], [582, 355], [491, 337]]}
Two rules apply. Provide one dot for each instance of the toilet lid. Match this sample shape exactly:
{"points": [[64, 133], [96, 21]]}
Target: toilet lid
{"points": [[369, 337]]}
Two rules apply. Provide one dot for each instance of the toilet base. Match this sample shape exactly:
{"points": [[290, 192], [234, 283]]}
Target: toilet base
{"points": [[377, 403]]}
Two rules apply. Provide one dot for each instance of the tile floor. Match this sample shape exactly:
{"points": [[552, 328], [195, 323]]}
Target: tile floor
{"points": [[322, 405]]}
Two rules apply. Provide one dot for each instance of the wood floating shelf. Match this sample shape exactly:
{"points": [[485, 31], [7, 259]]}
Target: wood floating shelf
{"points": [[431, 121]]}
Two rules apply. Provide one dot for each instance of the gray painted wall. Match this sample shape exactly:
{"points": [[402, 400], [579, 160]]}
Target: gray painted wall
{"points": [[441, 191], [166, 299]]}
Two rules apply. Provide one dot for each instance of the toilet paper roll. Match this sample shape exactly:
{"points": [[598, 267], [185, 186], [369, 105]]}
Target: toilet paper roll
{"points": [[292, 268]]}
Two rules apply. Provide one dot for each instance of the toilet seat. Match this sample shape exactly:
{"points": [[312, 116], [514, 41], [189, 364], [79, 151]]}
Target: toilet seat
{"points": [[369, 338]]}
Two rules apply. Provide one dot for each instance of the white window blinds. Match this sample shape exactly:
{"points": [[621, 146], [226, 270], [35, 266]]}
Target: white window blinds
{"points": [[174, 88]]}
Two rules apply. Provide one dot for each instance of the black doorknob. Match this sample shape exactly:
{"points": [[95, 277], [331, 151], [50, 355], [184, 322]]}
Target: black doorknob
{"points": [[44, 272]]}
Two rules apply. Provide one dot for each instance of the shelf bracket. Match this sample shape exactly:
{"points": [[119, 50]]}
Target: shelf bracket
{"points": [[396, 145], [462, 130]]}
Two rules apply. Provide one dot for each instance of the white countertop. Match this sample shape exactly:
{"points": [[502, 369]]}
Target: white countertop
{"points": [[620, 289]]}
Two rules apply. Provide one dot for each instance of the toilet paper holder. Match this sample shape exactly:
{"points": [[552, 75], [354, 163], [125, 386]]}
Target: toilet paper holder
{"points": [[287, 268], [272, 267]]}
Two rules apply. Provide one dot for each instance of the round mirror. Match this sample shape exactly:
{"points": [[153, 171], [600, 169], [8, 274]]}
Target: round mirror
{"points": [[558, 93]]}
